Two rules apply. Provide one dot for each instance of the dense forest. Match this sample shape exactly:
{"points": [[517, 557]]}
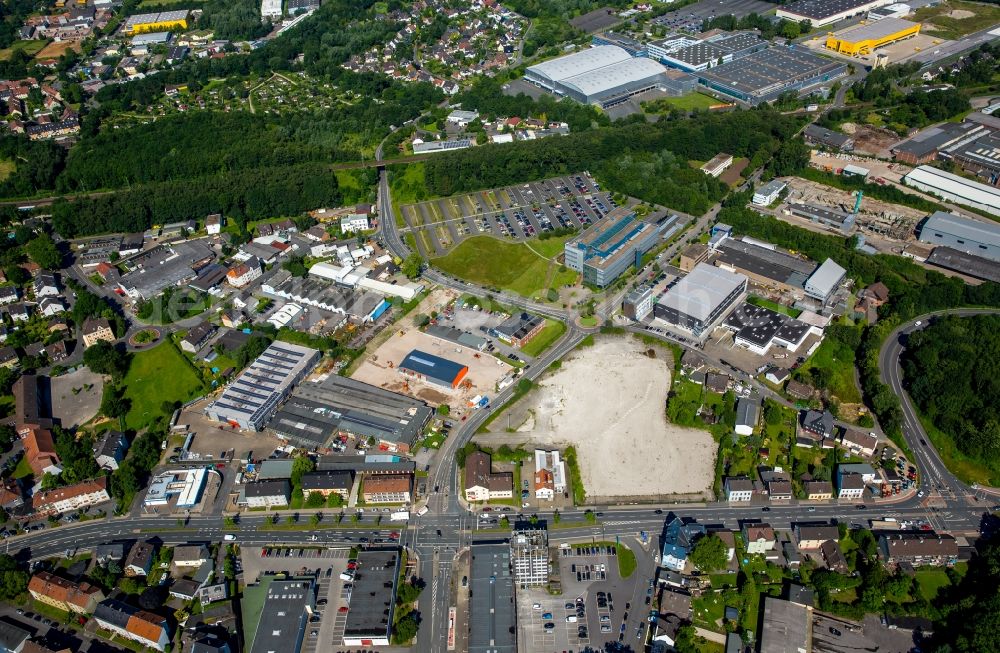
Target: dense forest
{"points": [[637, 158], [952, 371], [241, 196], [184, 146], [233, 19]]}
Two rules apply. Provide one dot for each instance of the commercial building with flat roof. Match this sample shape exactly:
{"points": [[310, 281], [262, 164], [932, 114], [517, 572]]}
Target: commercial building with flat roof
{"points": [[492, 614], [251, 400], [317, 411], [967, 264], [765, 265], [769, 192], [954, 188], [605, 75], [758, 329], [433, 369], [861, 40], [604, 251], [832, 218], [816, 135], [787, 626], [156, 22], [764, 75], [976, 237], [276, 612], [638, 303], [827, 12], [701, 298], [825, 280], [369, 619]]}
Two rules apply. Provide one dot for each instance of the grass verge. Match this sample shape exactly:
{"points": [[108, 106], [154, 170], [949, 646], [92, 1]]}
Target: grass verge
{"points": [[550, 333]]}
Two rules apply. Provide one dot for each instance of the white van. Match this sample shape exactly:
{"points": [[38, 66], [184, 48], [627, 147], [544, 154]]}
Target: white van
{"points": [[571, 619]]}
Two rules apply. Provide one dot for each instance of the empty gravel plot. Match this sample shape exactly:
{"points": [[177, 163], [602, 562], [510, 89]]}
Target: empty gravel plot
{"points": [[608, 401]]}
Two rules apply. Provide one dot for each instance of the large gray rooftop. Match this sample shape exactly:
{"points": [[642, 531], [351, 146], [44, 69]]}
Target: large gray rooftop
{"points": [[283, 616], [374, 594], [978, 231], [492, 623], [702, 290]]}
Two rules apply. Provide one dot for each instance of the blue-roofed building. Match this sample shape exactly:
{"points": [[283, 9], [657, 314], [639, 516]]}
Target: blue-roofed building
{"points": [[606, 250], [678, 540], [433, 369]]}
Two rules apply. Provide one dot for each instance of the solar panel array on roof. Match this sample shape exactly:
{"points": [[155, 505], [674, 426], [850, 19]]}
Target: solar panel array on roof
{"points": [[252, 398], [759, 327]]}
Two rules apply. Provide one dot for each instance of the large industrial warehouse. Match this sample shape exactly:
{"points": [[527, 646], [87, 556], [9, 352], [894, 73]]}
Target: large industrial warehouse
{"points": [[764, 75], [604, 75], [701, 298], [250, 400], [954, 188], [964, 234], [865, 39], [827, 12]]}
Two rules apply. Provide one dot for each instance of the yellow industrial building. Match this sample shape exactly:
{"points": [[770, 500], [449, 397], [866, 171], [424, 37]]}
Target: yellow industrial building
{"points": [[163, 21], [865, 39]]}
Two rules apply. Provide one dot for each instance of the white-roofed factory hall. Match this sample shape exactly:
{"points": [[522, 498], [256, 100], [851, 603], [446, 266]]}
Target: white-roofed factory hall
{"points": [[604, 75]]}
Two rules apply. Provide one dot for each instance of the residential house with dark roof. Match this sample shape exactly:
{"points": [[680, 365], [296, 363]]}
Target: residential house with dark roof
{"points": [[8, 357], [481, 483], [110, 450], [95, 330], [833, 557], [923, 548], [758, 538], [799, 390], [8, 295], [810, 538], [779, 490], [139, 561], [197, 336], [32, 409], [818, 490], [518, 330], [818, 423], [738, 488], [328, 482]]}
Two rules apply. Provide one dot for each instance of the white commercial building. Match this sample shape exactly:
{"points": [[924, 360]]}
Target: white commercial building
{"points": [[701, 298], [766, 194], [825, 280], [354, 222], [603, 75], [954, 188], [185, 484]]}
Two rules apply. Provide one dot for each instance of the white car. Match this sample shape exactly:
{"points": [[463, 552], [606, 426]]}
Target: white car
{"points": [[536, 606], [229, 537]]}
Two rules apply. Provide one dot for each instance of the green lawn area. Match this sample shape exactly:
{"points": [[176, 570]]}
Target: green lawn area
{"points": [[352, 187], [588, 321], [7, 168], [626, 561], [157, 375], [838, 360], [774, 306], [952, 28], [691, 101], [23, 469], [931, 581], [551, 332], [491, 262], [707, 610], [550, 247], [31, 47]]}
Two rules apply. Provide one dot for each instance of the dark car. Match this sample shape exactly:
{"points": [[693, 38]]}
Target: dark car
{"points": [[861, 506], [834, 631], [658, 512], [765, 509]]}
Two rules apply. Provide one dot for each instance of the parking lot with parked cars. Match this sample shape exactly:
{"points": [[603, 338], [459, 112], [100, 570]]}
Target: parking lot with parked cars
{"points": [[515, 212], [597, 605]]}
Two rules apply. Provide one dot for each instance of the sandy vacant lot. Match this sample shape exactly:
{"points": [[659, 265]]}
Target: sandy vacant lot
{"points": [[76, 397], [608, 401], [380, 368]]}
